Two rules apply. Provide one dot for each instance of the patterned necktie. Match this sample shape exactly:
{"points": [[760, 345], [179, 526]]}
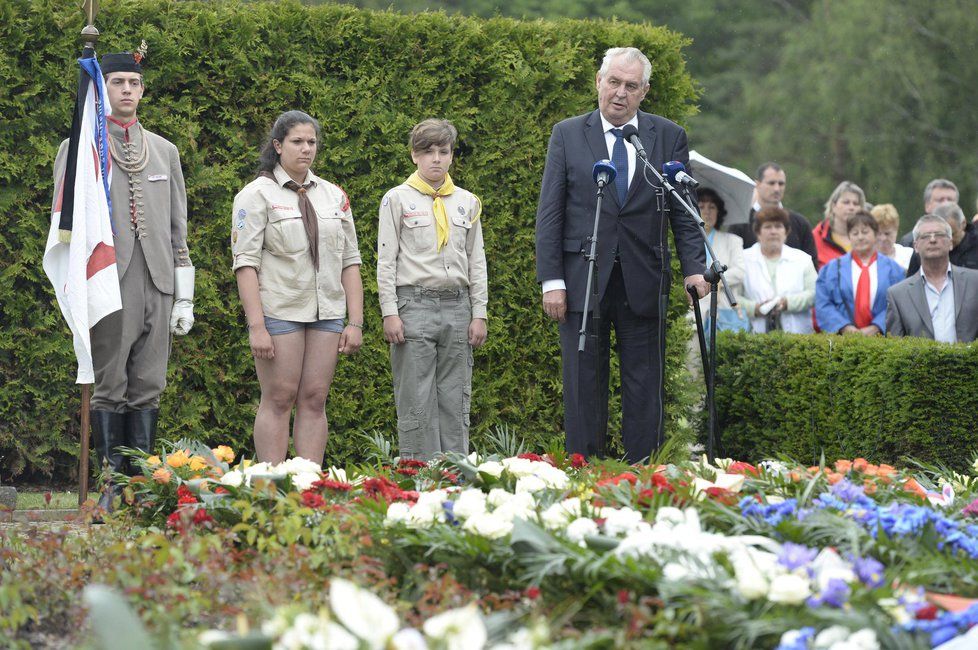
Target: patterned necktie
{"points": [[863, 310], [619, 156]]}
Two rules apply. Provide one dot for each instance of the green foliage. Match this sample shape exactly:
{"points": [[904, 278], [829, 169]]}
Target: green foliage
{"points": [[846, 397], [217, 74]]}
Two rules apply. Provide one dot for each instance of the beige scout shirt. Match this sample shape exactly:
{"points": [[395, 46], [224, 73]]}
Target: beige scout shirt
{"points": [[407, 251], [267, 233]]}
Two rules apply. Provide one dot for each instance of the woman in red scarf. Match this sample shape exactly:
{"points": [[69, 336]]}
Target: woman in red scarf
{"points": [[850, 294]]}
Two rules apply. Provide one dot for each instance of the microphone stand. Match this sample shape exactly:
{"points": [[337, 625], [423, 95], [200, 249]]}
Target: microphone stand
{"points": [[713, 275], [592, 280]]}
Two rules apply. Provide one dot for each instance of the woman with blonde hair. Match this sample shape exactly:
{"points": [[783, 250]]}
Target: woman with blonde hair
{"points": [[888, 219], [831, 238]]}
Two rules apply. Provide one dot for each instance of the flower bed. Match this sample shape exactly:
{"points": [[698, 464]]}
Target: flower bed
{"points": [[850, 555]]}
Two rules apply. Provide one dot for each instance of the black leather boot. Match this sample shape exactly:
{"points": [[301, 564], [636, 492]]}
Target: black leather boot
{"points": [[141, 431], [109, 432]]}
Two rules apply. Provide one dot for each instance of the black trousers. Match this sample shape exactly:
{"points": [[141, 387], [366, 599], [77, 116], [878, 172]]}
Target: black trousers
{"points": [[641, 349]]}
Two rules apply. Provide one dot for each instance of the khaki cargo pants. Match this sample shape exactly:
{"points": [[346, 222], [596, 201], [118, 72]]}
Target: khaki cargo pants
{"points": [[433, 372]]}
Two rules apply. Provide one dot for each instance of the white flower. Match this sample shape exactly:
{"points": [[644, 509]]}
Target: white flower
{"points": [[498, 496], [675, 572], [397, 512], [751, 580], [789, 588], [556, 516], [553, 477], [473, 458], [309, 631], [298, 465], [488, 525], [621, 521], [362, 613], [408, 639], [578, 529], [518, 506], [458, 629], [670, 515], [831, 635], [491, 467], [337, 474], [864, 639], [304, 480], [828, 565], [519, 466], [234, 478], [213, 636], [530, 484], [469, 502]]}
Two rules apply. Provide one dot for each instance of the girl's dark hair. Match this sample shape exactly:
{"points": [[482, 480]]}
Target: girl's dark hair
{"points": [[280, 129], [707, 194]]}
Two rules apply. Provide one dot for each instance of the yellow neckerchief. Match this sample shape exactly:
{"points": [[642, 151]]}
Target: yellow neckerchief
{"points": [[438, 207]]}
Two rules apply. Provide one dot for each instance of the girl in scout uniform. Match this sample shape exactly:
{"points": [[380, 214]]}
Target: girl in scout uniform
{"points": [[431, 279], [298, 270]]}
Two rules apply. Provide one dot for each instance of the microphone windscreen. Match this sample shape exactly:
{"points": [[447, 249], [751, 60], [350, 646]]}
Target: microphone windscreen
{"points": [[671, 168], [604, 167], [628, 131]]}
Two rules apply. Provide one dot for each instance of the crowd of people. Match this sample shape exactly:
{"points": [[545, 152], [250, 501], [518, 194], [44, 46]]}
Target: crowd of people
{"points": [[296, 259], [848, 274]]}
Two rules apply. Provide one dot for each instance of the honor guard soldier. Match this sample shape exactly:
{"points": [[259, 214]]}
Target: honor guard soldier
{"points": [[432, 282], [131, 347]]}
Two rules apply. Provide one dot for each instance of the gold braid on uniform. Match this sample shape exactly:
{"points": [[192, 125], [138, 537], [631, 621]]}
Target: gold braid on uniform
{"points": [[133, 162]]}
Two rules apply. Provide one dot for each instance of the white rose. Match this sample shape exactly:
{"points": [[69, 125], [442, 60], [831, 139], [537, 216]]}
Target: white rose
{"points": [[553, 477], [556, 516], [458, 629], [234, 478], [670, 515], [498, 496], [789, 588], [299, 465], [362, 613], [831, 635], [469, 503], [488, 525], [675, 572], [864, 639], [621, 521], [530, 484], [519, 506], [751, 583], [519, 466], [491, 467], [397, 512], [578, 529], [304, 480]]}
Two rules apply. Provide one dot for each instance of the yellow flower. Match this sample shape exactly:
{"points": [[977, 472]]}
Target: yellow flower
{"points": [[179, 458], [197, 463], [224, 453], [153, 461], [162, 475]]}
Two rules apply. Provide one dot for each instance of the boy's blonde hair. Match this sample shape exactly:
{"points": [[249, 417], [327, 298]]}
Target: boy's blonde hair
{"points": [[432, 132]]}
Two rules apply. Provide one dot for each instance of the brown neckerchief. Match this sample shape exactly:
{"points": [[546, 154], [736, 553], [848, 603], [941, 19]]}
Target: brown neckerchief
{"points": [[308, 214]]}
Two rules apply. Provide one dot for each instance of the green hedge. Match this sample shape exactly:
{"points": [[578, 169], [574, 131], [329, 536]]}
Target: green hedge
{"points": [[217, 74], [882, 399]]}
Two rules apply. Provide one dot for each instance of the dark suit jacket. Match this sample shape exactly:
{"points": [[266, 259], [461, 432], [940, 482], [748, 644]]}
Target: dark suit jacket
{"points": [[907, 313], [799, 236], [565, 216]]}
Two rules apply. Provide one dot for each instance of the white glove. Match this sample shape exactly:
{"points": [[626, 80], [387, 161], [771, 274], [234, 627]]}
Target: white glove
{"points": [[182, 316]]}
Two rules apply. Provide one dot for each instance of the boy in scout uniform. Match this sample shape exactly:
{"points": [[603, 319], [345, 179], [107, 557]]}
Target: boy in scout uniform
{"points": [[432, 283], [131, 347]]}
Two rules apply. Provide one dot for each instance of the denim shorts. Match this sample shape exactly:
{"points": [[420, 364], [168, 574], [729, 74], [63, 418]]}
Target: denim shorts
{"points": [[276, 326]]}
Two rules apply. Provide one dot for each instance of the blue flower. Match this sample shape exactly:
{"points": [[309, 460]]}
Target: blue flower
{"points": [[449, 508], [793, 556], [796, 639], [869, 570], [836, 593]]}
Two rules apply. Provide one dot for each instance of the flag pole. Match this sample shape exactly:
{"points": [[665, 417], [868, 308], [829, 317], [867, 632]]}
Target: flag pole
{"points": [[89, 37]]}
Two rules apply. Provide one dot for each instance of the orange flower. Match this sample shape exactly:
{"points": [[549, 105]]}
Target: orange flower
{"points": [[869, 487], [886, 470], [860, 464], [911, 485], [197, 463], [153, 461], [794, 476], [814, 469], [223, 453], [162, 475], [871, 470], [834, 477], [843, 466], [179, 458]]}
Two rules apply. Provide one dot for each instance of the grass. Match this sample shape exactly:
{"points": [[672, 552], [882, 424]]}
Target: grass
{"points": [[36, 500]]}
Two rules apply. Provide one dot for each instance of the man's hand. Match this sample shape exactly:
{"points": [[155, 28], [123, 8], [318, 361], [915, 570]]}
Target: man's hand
{"points": [[477, 332], [555, 304], [698, 281], [393, 329]]}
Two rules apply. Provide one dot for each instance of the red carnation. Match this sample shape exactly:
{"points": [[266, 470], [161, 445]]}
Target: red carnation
{"points": [[406, 471], [533, 592], [615, 480], [926, 613], [312, 499], [578, 461], [202, 517], [410, 462], [532, 456], [329, 484], [740, 467]]}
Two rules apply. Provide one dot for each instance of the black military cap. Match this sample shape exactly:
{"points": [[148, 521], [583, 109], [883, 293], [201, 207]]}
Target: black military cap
{"points": [[121, 62]]}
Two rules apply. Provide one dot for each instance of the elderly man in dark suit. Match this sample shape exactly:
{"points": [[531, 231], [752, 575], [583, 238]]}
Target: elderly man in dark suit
{"points": [[632, 258], [940, 301]]}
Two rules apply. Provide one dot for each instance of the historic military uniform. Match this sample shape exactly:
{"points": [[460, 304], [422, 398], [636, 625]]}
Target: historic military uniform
{"points": [[436, 290], [131, 348]]}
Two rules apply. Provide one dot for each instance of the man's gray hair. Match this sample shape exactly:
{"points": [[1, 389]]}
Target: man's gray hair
{"points": [[941, 183], [931, 218], [630, 54], [843, 188], [948, 211]]}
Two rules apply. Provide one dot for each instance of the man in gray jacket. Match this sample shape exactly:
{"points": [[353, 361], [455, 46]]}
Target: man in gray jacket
{"points": [[941, 301], [131, 347]]}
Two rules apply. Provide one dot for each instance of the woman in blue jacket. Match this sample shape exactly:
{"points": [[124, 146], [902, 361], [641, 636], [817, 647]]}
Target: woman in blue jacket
{"points": [[850, 294]]}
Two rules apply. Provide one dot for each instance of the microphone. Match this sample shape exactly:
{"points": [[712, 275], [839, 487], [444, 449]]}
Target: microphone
{"points": [[630, 133], [604, 172], [675, 171]]}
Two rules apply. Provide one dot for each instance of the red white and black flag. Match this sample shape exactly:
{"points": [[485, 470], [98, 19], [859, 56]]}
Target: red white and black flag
{"points": [[79, 258]]}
